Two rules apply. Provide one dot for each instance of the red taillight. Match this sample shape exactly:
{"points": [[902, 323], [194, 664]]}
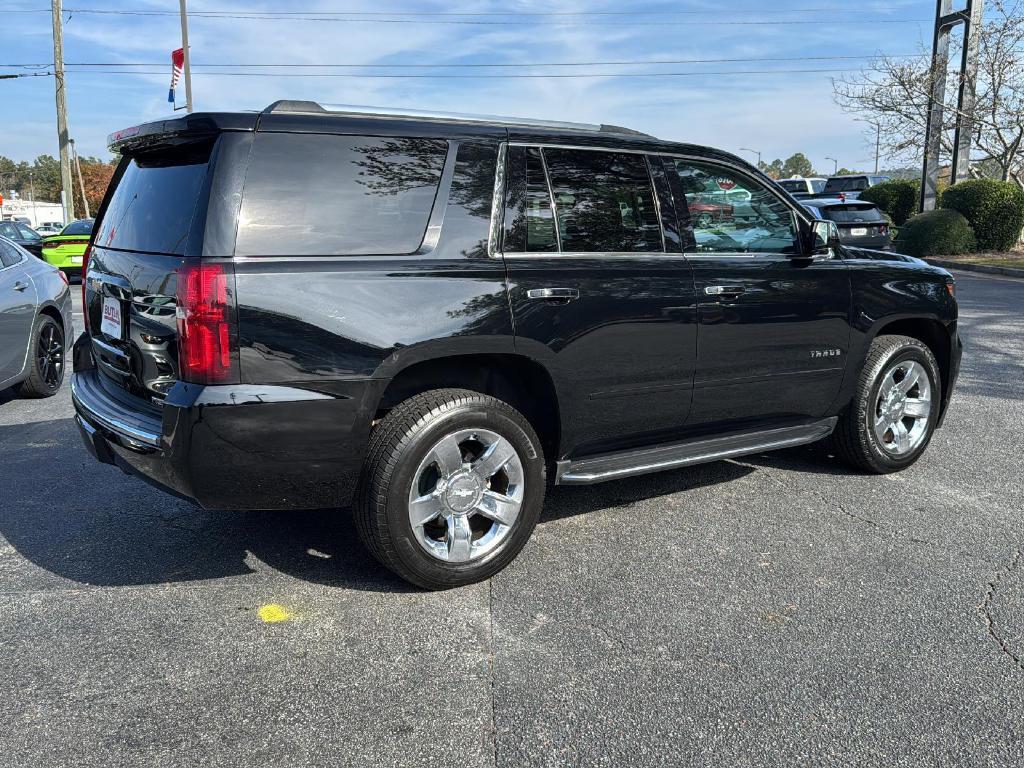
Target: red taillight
{"points": [[85, 269], [204, 325]]}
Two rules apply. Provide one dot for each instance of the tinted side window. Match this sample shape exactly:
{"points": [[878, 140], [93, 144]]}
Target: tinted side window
{"points": [[9, 254], [152, 206], [604, 201], [316, 195], [529, 226], [9, 229], [732, 213]]}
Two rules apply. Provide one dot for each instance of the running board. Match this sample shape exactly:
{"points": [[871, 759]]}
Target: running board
{"points": [[641, 461]]}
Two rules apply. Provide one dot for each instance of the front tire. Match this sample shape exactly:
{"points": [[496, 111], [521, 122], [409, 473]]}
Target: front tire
{"points": [[46, 364], [895, 409], [451, 489]]}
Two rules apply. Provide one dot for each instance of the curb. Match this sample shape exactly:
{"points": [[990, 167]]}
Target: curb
{"points": [[968, 267]]}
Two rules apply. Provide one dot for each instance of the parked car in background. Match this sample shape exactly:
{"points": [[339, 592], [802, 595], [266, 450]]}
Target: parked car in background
{"points": [[860, 224], [22, 234], [35, 320], [444, 312], [850, 186], [66, 250], [800, 186], [50, 228]]}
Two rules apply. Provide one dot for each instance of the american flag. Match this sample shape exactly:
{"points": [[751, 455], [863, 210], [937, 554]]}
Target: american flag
{"points": [[177, 65]]}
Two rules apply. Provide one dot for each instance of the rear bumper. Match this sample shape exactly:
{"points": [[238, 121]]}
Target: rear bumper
{"points": [[66, 262], [235, 446]]}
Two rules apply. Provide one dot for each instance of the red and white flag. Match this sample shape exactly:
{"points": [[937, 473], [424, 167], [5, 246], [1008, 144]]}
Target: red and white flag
{"points": [[177, 65]]}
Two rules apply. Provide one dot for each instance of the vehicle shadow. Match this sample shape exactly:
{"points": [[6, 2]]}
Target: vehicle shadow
{"points": [[92, 524]]}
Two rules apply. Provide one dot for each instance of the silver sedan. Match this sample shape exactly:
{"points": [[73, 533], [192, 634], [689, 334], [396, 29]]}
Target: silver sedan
{"points": [[35, 322]]}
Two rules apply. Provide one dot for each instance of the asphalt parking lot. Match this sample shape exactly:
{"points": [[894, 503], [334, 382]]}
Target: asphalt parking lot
{"points": [[776, 610]]}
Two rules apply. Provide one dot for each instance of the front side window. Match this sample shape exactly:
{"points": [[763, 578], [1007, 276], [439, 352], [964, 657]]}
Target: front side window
{"points": [[732, 213]]}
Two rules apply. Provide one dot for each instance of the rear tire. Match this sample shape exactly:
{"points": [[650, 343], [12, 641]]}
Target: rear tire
{"points": [[892, 417], [451, 488], [46, 359]]}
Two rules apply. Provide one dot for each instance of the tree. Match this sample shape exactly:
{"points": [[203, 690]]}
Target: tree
{"points": [[773, 169], [95, 176], [797, 165], [893, 93]]}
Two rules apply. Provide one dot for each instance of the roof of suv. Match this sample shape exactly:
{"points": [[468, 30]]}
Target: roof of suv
{"points": [[312, 117]]}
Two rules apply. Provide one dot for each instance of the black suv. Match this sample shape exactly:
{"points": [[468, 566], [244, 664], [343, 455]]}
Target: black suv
{"points": [[431, 317]]}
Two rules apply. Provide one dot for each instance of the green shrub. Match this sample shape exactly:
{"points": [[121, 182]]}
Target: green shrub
{"points": [[995, 209], [898, 198], [941, 232]]}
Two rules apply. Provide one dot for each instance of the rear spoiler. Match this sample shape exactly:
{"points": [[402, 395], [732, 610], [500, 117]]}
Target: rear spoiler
{"points": [[177, 130]]}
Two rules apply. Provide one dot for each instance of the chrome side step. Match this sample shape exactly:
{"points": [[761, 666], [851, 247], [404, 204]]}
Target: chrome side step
{"points": [[641, 461]]}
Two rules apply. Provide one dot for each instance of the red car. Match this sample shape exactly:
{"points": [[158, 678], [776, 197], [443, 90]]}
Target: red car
{"points": [[704, 214]]}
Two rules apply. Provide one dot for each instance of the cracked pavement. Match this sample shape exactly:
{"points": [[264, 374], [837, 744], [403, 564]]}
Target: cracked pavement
{"points": [[774, 610]]}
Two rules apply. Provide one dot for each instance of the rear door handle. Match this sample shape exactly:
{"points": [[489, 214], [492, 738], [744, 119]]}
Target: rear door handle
{"points": [[553, 294], [725, 291], [20, 286]]}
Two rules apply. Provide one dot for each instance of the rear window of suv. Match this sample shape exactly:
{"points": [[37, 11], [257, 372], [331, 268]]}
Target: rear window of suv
{"points": [[846, 184], [152, 206], [321, 195]]}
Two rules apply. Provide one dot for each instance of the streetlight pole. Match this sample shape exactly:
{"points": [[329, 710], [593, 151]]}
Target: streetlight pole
{"points": [[756, 152], [878, 137], [81, 181], [835, 169], [32, 197]]}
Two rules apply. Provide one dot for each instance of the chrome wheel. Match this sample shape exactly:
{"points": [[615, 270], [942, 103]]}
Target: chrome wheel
{"points": [[903, 408], [466, 495], [50, 355]]}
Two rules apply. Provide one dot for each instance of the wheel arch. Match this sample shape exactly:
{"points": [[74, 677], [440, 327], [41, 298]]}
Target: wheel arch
{"points": [[518, 380], [930, 332]]}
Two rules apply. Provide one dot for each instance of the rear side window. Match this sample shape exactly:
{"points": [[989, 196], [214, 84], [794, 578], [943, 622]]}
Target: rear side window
{"points": [[9, 254], [604, 201], [320, 195], [152, 206], [529, 225]]}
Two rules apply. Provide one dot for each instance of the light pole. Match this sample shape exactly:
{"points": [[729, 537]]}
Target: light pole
{"points": [[32, 197], [878, 137], [81, 181], [187, 63], [756, 152], [835, 169]]}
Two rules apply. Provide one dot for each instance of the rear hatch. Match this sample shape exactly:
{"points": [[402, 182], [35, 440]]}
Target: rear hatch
{"points": [[146, 250], [858, 221]]}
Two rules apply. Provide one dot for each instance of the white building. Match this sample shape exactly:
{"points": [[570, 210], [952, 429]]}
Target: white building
{"points": [[35, 212]]}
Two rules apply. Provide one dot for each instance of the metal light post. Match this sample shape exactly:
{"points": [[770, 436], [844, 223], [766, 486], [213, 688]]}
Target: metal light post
{"points": [[835, 168], [81, 181], [756, 152], [878, 137], [32, 196]]}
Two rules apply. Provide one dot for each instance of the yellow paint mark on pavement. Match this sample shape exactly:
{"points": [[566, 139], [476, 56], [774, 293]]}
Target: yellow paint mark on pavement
{"points": [[272, 613]]}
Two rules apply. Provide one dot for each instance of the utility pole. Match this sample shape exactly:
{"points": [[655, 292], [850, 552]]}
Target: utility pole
{"points": [[187, 73], [62, 111], [835, 167], [946, 19], [81, 180], [878, 143]]}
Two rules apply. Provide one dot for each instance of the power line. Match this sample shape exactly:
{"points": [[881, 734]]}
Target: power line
{"points": [[447, 76], [565, 19], [484, 65]]}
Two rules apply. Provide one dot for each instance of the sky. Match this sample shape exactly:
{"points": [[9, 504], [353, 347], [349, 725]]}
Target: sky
{"points": [[762, 105]]}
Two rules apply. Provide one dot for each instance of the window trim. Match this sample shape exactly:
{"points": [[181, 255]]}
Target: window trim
{"points": [[498, 205]]}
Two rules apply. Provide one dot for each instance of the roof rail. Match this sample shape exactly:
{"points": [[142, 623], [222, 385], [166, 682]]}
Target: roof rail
{"points": [[312, 107]]}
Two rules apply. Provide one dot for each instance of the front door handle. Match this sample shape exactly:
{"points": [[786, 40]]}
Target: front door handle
{"points": [[553, 294], [725, 291], [20, 286]]}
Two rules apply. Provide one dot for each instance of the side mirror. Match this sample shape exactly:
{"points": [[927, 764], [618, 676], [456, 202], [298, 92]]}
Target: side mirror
{"points": [[823, 238]]}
